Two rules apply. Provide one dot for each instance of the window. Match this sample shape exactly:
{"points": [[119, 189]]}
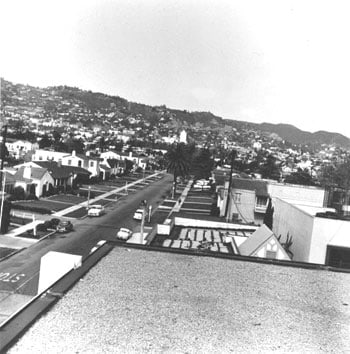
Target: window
{"points": [[91, 163], [40, 158], [261, 202], [237, 197], [69, 162], [271, 254], [79, 163]]}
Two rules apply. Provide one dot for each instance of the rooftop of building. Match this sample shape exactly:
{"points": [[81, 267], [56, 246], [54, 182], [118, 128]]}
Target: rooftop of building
{"points": [[145, 301]]}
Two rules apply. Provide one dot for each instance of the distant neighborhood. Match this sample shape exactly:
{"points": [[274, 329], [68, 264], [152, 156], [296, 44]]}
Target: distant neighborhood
{"points": [[60, 138]]}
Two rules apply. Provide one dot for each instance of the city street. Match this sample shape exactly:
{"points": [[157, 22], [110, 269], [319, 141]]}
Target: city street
{"points": [[20, 273]]}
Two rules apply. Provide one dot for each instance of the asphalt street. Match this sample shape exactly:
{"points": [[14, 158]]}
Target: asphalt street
{"points": [[23, 268]]}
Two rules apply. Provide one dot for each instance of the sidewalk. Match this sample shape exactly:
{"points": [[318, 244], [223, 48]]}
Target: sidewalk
{"points": [[184, 193], [11, 240]]}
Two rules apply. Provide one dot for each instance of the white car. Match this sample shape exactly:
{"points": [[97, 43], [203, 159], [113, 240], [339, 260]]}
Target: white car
{"points": [[124, 234], [138, 214], [96, 210]]}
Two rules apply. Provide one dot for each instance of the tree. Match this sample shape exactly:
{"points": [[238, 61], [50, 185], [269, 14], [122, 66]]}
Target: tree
{"points": [[45, 142], [270, 169], [268, 218], [302, 177], [18, 193], [177, 162], [74, 144], [202, 164]]}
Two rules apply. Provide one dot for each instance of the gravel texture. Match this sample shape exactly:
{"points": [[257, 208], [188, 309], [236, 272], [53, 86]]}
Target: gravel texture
{"points": [[140, 301]]}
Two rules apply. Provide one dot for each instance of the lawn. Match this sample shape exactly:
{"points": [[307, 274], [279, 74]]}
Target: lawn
{"points": [[43, 203], [79, 213], [5, 252], [38, 236], [67, 198], [196, 206]]}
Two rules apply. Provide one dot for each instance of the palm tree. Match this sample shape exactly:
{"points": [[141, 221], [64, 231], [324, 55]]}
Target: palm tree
{"points": [[177, 162]]}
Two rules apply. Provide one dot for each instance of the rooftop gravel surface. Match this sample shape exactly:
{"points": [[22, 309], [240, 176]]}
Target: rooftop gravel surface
{"points": [[137, 301]]}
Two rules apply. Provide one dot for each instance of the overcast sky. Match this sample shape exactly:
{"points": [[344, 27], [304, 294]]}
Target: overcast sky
{"points": [[263, 61]]}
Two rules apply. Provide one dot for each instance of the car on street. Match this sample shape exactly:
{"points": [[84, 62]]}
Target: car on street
{"points": [[64, 226], [124, 234], [96, 210], [138, 214]]}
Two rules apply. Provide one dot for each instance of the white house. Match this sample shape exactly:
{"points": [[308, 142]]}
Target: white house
{"points": [[47, 155], [18, 148], [89, 163], [77, 160], [29, 177]]}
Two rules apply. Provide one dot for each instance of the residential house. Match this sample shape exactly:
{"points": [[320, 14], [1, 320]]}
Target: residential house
{"points": [[48, 155], [138, 160], [9, 182], [19, 148], [248, 200], [33, 179], [111, 167], [78, 160], [64, 176]]}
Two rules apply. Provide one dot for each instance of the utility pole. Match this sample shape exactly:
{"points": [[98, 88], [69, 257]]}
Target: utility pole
{"points": [[88, 201], [2, 138], [233, 156], [144, 208]]}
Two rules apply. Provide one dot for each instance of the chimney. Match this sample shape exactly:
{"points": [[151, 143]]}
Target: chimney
{"points": [[73, 153], [130, 154], [27, 172]]}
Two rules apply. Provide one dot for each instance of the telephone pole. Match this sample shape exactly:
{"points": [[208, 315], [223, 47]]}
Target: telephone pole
{"points": [[2, 137]]}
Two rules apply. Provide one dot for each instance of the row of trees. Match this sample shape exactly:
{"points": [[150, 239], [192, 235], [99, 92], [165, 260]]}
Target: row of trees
{"points": [[183, 160]]}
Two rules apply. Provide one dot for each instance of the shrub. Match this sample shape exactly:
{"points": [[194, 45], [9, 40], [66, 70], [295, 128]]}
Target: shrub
{"points": [[18, 193], [41, 227], [31, 197]]}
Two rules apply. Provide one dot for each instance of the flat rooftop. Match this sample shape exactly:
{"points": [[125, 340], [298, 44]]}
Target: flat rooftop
{"points": [[145, 301]]}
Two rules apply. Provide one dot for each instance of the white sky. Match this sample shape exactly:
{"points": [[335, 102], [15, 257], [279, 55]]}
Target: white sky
{"points": [[273, 61]]}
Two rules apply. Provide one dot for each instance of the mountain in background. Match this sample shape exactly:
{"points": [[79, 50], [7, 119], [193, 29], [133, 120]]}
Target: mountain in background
{"points": [[296, 136], [65, 100]]}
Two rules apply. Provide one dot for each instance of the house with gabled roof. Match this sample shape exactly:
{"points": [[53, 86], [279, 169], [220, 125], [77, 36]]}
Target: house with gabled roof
{"points": [[264, 244], [33, 179], [110, 167], [62, 175]]}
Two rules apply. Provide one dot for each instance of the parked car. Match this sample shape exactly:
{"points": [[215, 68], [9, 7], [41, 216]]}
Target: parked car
{"points": [[138, 214], [64, 226], [96, 210], [124, 234]]}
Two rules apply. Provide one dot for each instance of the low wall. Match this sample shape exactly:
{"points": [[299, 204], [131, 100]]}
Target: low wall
{"points": [[187, 222]]}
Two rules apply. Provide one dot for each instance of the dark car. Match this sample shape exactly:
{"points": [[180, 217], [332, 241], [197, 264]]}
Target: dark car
{"points": [[64, 226]]}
